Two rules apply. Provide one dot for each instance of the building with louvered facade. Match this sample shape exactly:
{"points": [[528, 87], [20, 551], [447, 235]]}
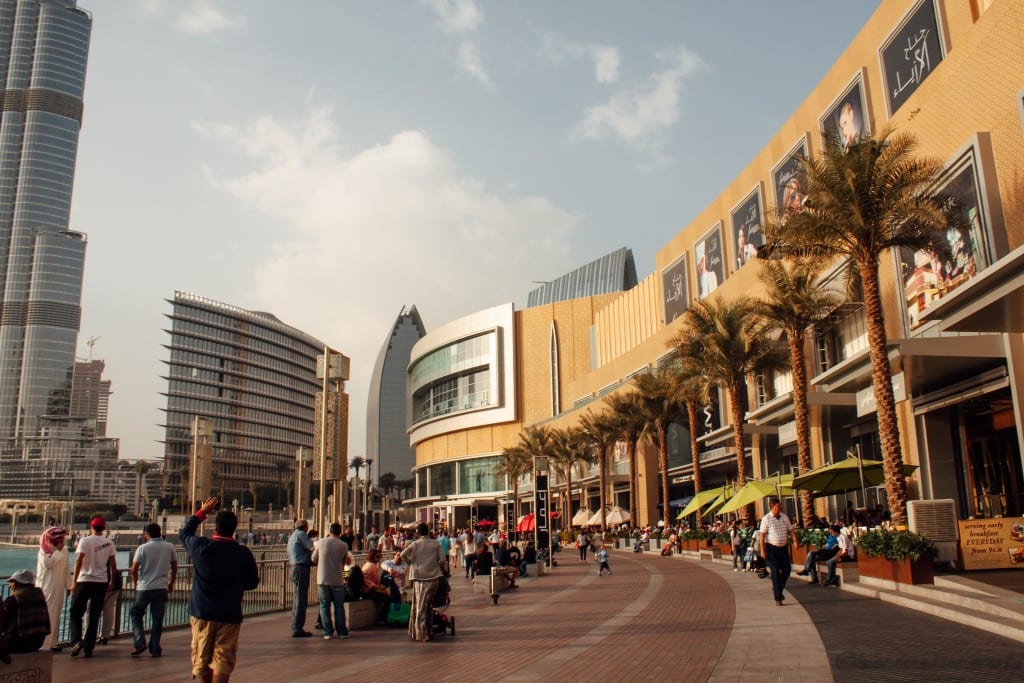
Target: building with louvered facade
{"points": [[614, 272], [254, 378]]}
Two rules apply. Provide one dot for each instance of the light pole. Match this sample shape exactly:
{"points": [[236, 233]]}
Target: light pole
{"points": [[541, 516], [303, 457]]}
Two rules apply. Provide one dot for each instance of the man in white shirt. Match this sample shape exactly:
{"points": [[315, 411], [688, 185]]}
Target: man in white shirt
{"points": [[330, 556], [95, 566], [775, 532], [845, 554]]}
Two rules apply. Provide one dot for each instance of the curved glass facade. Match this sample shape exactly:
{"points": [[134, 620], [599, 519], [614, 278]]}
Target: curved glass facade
{"points": [[43, 52], [454, 378], [254, 377]]}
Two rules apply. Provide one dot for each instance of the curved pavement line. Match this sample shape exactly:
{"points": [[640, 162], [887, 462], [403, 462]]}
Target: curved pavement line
{"points": [[556, 661], [768, 642]]}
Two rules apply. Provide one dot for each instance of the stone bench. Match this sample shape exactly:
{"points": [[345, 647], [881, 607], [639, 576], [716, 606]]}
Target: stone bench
{"points": [[361, 614], [710, 554], [845, 571], [33, 667]]}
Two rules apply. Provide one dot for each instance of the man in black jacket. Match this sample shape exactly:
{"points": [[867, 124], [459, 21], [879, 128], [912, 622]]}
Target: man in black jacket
{"points": [[222, 570]]}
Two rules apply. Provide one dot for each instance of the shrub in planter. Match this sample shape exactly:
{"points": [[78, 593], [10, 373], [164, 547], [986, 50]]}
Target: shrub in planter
{"points": [[902, 556], [812, 537]]}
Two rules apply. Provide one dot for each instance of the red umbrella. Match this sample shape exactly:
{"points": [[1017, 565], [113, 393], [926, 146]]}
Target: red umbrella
{"points": [[485, 522], [526, 523]]}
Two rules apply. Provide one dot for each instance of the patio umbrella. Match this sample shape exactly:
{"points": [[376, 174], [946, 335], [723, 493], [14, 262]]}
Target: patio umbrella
{"points": [[526, 523], [753, 491], [582, 518], [717, 503], [700, 500], [846, 475], [617, 516]]}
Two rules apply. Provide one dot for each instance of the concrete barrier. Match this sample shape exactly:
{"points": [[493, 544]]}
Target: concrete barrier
{"points": [[361, 614]]}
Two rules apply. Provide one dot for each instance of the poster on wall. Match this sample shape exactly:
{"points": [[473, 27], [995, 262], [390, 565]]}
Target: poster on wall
{"points": [[747, 235], [789, 192], [675, 289], [847, 118], [927, 278], [996, 543], [910, 54], [709, 262]]}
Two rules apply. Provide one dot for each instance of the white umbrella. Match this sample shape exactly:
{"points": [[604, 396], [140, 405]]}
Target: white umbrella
{"points": [[582, 518], [617, 516]]}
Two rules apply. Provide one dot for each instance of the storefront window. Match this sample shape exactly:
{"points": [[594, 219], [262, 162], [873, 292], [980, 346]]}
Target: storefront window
{"points": [[477, 476], [442, 479]]}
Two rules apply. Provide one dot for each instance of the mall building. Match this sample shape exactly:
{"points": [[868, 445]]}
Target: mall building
{"points": [[946, 70]]}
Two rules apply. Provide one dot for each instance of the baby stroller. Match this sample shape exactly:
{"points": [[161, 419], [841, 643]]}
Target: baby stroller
{"points": [[441, 621]]}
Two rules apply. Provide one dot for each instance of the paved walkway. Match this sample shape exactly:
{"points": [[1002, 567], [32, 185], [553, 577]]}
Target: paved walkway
{"points": [[657, 619]]}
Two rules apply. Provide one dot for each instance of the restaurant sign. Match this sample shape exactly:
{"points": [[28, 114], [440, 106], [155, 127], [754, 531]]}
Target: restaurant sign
{"points": [[992, 543]]}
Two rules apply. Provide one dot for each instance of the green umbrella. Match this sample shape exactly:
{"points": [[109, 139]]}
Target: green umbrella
{"points": [[700, 500], [719, 502], [753, 491], [846, 475]]}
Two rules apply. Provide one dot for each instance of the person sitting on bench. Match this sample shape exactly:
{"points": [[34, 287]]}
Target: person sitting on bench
{"points": [[845, 554], [529, 557], [505, 564], [25, 619], [821, 555]]}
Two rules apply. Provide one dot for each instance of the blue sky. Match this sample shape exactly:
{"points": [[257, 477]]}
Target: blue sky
{"points": [[332, 161]]}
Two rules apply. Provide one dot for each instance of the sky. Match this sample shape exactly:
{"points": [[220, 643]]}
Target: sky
{"points": [[331, 162]]}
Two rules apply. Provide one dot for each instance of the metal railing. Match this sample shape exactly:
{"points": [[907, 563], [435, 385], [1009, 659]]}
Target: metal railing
{"points": [[274, 594]]}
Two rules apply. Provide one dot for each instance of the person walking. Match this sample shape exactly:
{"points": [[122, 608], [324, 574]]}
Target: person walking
{"points": [[330, 555], [95, 566], [427, 565], [110, 603], [776, 530], [222, 570], [52, 576], [154, 570], [583, 543], [300, 550], [602, 557]]}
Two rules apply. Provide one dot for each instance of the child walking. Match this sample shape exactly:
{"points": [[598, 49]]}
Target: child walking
{"points": [[602, 557]]}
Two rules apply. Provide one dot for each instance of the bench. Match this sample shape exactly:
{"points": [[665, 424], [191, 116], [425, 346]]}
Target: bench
{"points": [[482, 584], [360, 614], [845, 571], [31, 667], [710, 554]]}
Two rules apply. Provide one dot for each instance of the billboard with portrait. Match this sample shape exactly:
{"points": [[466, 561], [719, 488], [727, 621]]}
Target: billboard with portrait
{"points": [[747, 236], [675, 289], [927, 278], [910, 54], [789, 192], [848, 116], [709, 262]]}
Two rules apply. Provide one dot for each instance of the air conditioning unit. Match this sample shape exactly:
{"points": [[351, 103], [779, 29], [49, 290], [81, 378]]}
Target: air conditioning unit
{"points": [[936, 519]]}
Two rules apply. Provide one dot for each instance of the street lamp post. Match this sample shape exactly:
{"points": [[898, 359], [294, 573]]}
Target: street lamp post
{"points": [[302, 459], [541, 513]]}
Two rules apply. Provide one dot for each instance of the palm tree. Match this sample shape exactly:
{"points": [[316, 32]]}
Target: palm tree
{"points": [[629, 414], [514, 463], [141, 467], [864, 200], [660, 404], [569, 451], [794, 301], [727, 341], [602, 432]]}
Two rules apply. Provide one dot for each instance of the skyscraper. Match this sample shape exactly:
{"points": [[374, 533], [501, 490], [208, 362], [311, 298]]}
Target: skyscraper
{"points": [[387, 442], [44, 47]]}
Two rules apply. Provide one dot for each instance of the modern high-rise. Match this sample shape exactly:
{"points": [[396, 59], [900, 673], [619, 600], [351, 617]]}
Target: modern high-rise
{"points": [[44, 47], [387, 439], [254, 379]]}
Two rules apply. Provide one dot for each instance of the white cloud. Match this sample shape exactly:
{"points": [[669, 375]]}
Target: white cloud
{"points": [[470, 62], [457, 16], [462, 18], [363, 233], [641, 115], [606, 58], [203, 18]]}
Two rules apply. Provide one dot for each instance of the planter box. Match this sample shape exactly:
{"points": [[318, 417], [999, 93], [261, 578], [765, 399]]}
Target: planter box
{"points": [[906, 571], [725, 549], [799, 554], [693, 545]]}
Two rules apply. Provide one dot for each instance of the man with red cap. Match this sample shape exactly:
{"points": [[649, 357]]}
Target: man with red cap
{"points": [[95, 566]]}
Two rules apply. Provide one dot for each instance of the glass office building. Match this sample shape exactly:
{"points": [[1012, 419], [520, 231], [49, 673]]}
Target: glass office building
{"points": [[43, 52], [254, 378]]}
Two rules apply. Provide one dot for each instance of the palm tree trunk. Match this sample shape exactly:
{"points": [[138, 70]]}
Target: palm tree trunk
{"points": [[663, 466], [885, 401], [632, 481], [800, 413], [602, 475], [692, 420], [736, 416]]}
